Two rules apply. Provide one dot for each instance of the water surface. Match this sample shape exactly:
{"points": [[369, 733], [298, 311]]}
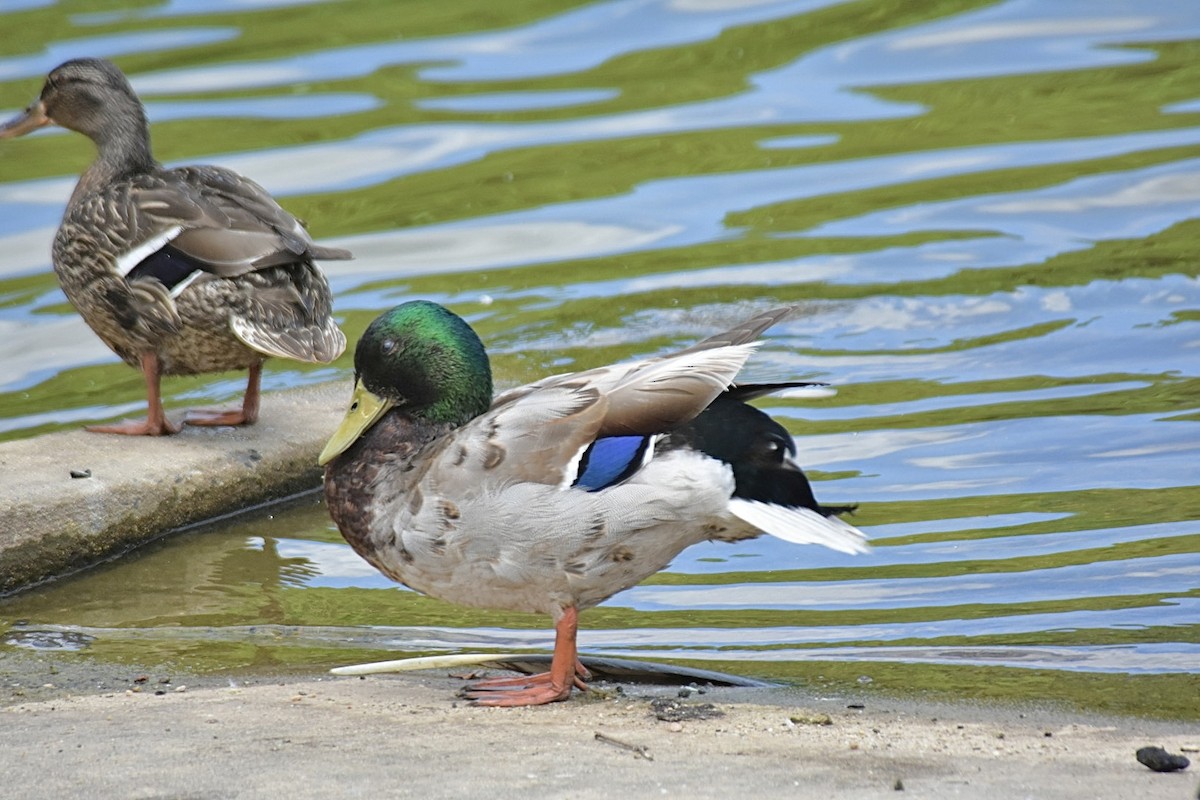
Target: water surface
{"points": [[986, 211]]}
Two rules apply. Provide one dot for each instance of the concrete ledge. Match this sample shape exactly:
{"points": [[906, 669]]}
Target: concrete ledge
{"points": [[405, 736], [142, 487]]}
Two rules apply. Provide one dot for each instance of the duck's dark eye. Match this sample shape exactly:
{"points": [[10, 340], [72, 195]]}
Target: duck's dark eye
{"points": [[774, 449], [387, 346]]}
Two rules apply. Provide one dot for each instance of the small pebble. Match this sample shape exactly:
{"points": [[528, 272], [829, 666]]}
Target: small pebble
{"points": [[669, 710], [803, 718], [675, 727], [81, 473], [898, 785], [1160, 760]]}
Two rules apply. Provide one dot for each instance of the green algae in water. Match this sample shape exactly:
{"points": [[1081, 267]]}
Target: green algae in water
{"points": [[995, 268]]}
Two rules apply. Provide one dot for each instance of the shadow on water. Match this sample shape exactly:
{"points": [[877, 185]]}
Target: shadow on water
{"points": [[985, 210]]}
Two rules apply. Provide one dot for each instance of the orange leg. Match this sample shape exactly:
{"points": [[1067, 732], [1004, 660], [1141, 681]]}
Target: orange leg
{"points": [[248, 414], [156, 422], [547, 687]]}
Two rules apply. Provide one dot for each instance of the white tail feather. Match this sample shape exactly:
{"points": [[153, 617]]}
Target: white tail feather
{"points": [[805, 393], [801, 526]]}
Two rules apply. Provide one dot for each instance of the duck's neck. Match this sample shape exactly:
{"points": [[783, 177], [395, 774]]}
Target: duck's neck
{"points": [[122, 150], [374, 472]]}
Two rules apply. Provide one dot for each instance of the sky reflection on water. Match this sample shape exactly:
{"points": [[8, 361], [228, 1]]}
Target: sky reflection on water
{"points": [[987, 218]]}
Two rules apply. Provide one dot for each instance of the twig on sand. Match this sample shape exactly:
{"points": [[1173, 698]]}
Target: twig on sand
{"points": [[639, 750]]}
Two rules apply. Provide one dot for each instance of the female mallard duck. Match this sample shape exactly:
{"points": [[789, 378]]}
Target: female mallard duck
{"points": [[179, 271], [559, 494]]}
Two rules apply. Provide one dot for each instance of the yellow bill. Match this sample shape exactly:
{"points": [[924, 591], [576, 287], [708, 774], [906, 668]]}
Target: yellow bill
{"points": [[366, 408]]}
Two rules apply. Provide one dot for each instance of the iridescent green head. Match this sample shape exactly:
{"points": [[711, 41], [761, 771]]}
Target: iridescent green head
{"points": [[419, 357]]}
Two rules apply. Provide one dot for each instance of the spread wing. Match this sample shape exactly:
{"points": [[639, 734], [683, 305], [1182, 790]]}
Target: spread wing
{"points": [[539, 432]]}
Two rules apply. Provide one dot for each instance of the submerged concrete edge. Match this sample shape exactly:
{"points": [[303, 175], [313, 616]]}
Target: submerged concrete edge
{"points": [[142, 487]]}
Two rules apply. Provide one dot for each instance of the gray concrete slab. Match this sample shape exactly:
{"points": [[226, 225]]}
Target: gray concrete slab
{"points": [[141, 487], [405, 736]]}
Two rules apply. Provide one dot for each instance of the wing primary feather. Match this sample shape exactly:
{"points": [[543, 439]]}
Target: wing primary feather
{"points": [[323, 253], [786, 389], [748, 331], [658, 395]]}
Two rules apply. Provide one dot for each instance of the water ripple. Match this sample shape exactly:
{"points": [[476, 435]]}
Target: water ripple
{"points": [[987, 219]]}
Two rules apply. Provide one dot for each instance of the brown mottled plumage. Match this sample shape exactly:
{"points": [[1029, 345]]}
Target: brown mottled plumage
{"points": [[179, 271]]}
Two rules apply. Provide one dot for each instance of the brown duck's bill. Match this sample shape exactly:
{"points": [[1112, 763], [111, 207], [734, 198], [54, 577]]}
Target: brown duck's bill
{"points": [[366, 408], [31, 119]]}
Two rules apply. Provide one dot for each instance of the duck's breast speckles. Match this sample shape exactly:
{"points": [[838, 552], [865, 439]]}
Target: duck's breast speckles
{"points": [[416, 501], [621, 553], [597, 531], [493, 454], [448, 513]]}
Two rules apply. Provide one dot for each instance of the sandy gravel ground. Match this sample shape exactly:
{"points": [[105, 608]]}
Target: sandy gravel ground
{"points": [[408, 736]]}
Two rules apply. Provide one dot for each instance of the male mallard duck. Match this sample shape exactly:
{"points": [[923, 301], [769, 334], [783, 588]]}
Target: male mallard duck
{"points": [[179, 271], [556, 495]]}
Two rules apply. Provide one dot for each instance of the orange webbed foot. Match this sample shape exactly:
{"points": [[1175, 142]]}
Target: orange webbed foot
{"points": [[137, 427], [246, 415], [545, 687], [214, 417], [539, 690]]}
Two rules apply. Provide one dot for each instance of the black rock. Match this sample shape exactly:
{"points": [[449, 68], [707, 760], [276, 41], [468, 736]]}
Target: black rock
{"points": [[1160, 760]]}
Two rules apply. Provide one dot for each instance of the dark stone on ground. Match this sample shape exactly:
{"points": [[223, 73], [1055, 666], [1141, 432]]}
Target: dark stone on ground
{"points": [[1160, 760]]}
